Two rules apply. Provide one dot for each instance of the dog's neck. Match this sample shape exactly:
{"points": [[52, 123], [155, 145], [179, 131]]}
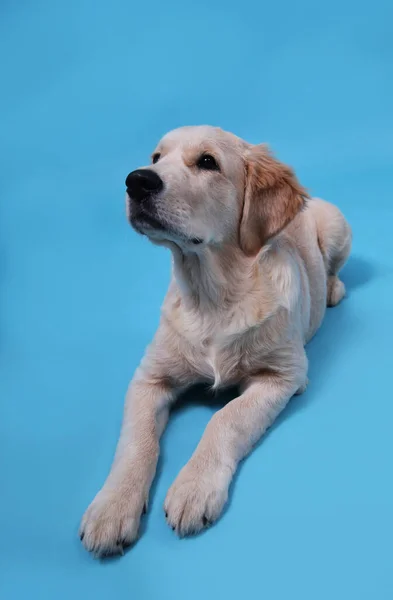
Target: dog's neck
{"points": [[214, 278]]}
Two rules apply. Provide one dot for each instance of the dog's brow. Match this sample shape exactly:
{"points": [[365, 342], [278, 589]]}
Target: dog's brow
{"points": [[192, 153], [159, 149], [163, 147]]}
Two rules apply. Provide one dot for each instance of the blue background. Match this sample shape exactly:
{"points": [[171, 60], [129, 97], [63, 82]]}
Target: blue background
{"points": [[87, 88]]}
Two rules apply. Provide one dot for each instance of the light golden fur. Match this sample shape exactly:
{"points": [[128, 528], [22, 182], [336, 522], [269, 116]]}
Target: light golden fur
{"points": [[240, 308]]}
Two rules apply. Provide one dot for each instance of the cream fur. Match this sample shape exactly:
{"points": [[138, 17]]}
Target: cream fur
{"points": [[228, 317]]}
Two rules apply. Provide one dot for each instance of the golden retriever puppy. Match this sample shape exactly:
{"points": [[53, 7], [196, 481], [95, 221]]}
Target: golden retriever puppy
{"points": [[255, 263]]}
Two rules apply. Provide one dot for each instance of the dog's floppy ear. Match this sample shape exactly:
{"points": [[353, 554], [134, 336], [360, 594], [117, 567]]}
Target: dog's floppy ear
{"points": [[272, 198]]}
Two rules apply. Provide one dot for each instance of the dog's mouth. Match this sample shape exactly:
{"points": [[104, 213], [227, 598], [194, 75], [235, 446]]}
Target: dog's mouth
{"points": [[151, 225], [143, 219]]}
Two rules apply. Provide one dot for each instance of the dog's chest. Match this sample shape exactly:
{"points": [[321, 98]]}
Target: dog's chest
{"points": [[220, 362], [223, 347]]}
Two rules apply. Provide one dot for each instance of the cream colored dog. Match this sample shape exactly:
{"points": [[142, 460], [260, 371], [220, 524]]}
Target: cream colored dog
{"points": [[255, 262]]}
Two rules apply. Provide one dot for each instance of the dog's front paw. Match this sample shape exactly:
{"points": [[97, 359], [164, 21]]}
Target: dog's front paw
{"points": [[111, 522], [196, 498]]}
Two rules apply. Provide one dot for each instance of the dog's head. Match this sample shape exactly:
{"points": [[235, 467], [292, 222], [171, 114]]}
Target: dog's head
{"points": [[206, 187]]}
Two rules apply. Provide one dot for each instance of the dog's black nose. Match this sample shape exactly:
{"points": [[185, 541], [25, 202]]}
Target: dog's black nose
{"points": [[143, 183]]}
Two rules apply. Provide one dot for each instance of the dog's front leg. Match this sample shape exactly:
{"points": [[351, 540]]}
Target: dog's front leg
{"points": [[112, 520], [199, 493]]}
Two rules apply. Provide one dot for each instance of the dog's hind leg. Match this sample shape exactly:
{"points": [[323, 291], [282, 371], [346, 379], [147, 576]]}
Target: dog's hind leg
{"points": [[335, 239]]}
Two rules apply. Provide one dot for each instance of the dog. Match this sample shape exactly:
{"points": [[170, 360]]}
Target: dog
{"points": [[255, 263]]}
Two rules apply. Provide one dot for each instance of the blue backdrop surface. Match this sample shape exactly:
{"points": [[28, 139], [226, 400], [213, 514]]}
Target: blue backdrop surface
{"points": [[87, 88]]}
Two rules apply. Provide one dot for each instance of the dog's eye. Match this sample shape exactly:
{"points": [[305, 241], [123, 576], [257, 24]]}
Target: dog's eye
{"points": [[156, 157], [207, 162]]}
